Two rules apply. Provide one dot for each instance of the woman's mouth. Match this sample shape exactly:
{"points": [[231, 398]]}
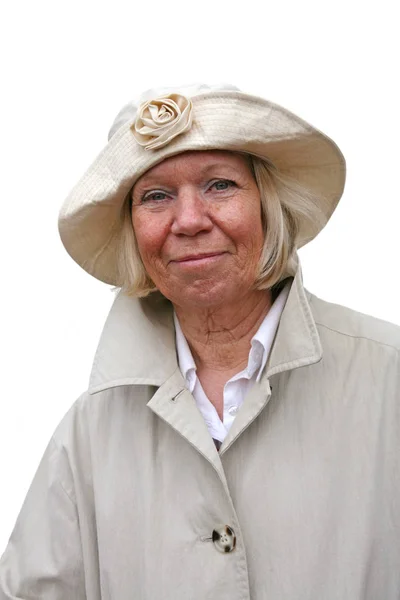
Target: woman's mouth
{"points": [[198, 259]]}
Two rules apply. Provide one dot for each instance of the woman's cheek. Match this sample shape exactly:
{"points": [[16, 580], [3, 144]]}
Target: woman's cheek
{"points": [[151, 232]]}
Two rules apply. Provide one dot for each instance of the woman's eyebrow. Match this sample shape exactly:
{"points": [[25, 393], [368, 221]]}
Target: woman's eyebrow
{"points": [[160, 179]]}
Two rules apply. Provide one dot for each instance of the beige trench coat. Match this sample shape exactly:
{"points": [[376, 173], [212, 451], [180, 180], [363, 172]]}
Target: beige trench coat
{"points": [[130, 488]]}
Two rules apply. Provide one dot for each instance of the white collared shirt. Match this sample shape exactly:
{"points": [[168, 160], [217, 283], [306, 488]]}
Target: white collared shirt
{"points": [[237, 387]]}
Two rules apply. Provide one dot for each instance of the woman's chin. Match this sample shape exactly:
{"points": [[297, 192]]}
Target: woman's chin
{"points": [[203, 295]]}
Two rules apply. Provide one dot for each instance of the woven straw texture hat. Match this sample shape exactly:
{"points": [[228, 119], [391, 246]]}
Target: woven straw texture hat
{"points": [[166, 122]]}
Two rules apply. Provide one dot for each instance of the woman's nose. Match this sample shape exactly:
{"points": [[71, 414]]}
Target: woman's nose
{"points": [[191, 214]]}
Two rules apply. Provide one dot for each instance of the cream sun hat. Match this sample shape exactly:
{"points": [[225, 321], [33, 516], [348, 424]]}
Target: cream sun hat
{"points": [[168, 121]]}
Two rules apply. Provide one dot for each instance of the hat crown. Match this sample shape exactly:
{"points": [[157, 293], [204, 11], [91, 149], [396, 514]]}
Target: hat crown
{"points": [[129, 111]]}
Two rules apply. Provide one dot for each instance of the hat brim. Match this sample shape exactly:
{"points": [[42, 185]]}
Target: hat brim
{"points": [[90, 218]]}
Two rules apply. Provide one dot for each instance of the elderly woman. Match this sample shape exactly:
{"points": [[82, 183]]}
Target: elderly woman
{"points": [[240, 437]]}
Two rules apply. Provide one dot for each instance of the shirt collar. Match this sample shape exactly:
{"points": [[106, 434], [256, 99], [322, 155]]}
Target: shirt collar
{"points": [[264, 337]]}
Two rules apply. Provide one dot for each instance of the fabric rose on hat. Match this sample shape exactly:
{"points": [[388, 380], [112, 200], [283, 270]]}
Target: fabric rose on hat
{"points": [[159, 120]]}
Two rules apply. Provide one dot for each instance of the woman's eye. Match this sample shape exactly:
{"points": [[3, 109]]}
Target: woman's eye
{"points": [[154, 196], [222, 184]]}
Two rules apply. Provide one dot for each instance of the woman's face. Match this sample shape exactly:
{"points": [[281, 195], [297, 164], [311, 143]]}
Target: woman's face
{"points": [[197, 220]]}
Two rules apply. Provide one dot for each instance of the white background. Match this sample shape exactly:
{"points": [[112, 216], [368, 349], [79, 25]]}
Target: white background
{"points": [[68, 67]]}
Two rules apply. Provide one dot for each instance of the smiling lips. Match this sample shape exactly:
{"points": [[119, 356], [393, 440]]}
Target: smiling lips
{"points": [[197, 257]]}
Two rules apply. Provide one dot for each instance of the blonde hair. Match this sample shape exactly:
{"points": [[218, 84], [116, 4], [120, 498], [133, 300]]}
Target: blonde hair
{"points": [[285, 203]]}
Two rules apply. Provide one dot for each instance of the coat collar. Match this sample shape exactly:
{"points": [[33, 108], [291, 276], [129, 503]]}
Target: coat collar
{"points": [[297, 341], [137, 345]]}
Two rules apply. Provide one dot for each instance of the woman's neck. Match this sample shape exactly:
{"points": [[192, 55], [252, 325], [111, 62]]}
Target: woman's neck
{"points": [[220, 338]]}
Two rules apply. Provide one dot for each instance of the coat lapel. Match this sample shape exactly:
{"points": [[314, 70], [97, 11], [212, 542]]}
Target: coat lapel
{"points": [[254, 403], [296, 344], [176, 406]]}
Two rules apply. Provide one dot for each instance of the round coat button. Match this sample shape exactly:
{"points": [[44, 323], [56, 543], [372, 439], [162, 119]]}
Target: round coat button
{"points": [[224, 538]]}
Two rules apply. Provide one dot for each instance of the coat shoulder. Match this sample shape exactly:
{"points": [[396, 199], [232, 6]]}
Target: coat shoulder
{"points": [[349, 322]]}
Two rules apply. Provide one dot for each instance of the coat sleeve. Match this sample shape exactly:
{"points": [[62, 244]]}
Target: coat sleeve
{"points": [[43, 558]]}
